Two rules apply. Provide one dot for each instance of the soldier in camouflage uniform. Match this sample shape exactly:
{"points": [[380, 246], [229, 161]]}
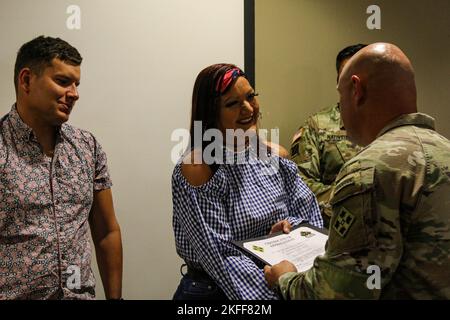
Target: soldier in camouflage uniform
{"points": [[391, 203], [321, 147]]}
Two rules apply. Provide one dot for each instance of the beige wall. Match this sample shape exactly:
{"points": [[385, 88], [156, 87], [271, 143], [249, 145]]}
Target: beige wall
{"points": [[297, 42]]}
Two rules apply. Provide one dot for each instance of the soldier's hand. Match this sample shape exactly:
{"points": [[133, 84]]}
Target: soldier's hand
{"points": [[282, 225], [277, 270]]}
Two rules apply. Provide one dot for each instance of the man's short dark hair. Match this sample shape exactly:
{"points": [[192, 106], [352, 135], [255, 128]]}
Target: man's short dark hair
{"points": [[347, 53], [38, 54]]}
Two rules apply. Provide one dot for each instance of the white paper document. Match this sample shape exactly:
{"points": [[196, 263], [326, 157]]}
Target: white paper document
{"points": [[301, 246]]}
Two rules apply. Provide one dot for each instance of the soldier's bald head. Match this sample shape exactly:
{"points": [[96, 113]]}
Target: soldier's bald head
{"points": [[378, 83], [387, 73]]}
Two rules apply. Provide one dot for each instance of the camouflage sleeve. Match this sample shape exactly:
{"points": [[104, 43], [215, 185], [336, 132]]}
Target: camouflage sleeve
{"points": [[306, 153], [364, 246]]}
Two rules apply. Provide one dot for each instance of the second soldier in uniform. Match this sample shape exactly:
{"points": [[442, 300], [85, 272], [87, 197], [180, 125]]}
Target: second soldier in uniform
{"points": [[321, 147]]}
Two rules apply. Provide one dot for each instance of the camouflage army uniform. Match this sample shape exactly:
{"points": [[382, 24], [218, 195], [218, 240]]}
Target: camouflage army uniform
{"points": [[391, 208], [319, 149]]}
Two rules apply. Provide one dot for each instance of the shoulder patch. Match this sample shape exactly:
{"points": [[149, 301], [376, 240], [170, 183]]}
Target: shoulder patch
{"points": [[344, 222]]}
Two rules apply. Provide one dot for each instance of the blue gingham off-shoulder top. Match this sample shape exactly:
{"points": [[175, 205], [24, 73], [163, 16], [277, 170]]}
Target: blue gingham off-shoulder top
{"points": [[239, 202]]}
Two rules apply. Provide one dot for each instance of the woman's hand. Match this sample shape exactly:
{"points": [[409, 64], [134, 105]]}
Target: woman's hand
{"points": [[282, 225]]}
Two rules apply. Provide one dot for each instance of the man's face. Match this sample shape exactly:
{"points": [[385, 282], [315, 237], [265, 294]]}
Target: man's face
{"points": [[54, 92]]}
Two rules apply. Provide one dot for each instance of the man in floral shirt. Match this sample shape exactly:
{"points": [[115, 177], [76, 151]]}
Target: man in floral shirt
{"points": [[54, 184]]}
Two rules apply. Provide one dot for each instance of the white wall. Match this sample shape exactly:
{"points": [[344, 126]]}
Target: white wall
{"points": [[141, 58]]}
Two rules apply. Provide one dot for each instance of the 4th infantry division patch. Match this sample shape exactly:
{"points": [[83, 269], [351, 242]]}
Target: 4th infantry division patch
{"points": [[343, 222]]}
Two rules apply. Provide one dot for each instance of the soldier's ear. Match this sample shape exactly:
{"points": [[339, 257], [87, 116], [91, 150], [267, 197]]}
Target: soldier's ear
{"points": [[359, 92]]}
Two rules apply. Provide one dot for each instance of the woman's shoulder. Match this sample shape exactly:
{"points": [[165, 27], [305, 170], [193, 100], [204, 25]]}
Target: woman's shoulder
{"points": [[196, 174], [194, 170]]}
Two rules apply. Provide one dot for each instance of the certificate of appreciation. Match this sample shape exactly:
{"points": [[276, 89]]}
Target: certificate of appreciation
{"points": [[301, 246]]}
